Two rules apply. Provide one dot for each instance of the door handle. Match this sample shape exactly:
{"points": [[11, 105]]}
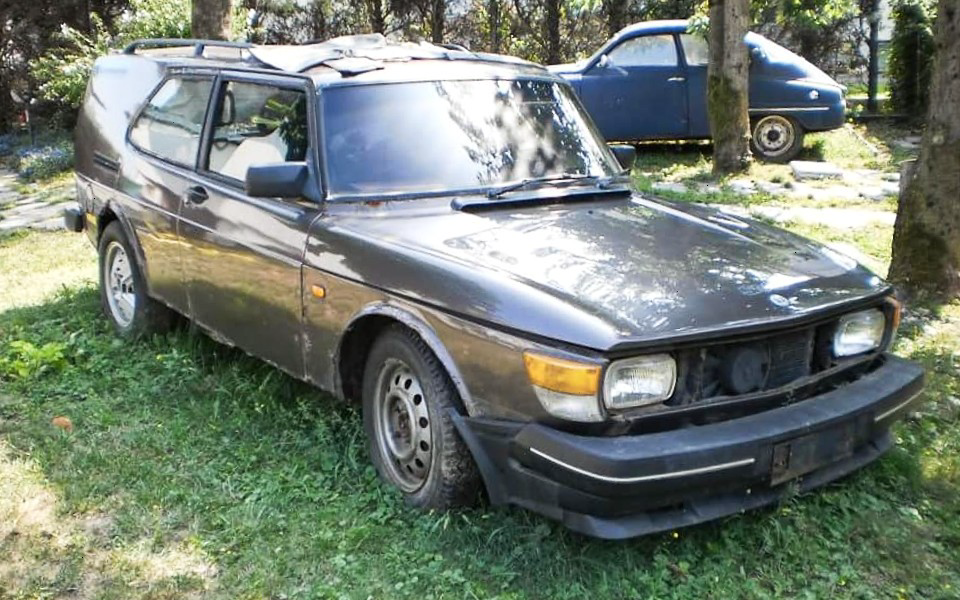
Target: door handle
{"points": [[196, 195], [677, 79]]}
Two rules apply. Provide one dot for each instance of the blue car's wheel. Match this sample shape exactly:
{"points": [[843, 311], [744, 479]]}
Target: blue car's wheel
{"points": [[776, 138]]}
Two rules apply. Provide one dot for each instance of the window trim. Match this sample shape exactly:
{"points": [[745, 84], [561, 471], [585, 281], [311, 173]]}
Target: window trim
{"points": [[220, 85], [169, 76]]}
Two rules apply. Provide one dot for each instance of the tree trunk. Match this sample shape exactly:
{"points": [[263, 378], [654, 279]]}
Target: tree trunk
{"points": [[615, 12], [438, 10], [210, 19], [926, 235], [727, 86], [378, 20], [318, 18], [493, 22], [553, 32], [873, 70]]}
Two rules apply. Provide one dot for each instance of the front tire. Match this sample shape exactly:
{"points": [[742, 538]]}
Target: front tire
{"points": [[414, 445], [776, 138], [123, 291]]}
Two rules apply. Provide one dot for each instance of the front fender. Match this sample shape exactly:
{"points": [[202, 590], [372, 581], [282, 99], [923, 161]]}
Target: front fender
{"points": [[411, 317]]}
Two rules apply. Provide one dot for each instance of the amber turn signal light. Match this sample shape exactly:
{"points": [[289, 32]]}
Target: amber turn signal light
{"points": [[562, 375]]}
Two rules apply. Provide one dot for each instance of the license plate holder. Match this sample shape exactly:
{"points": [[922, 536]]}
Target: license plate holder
{"points": [[799, 456]]}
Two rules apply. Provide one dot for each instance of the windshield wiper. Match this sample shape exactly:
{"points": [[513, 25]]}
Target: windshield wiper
{"points": [[602, 182]]}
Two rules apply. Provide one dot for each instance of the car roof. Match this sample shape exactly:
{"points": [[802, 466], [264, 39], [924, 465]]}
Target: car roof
{"points": [[355, 58], [664, 26]]}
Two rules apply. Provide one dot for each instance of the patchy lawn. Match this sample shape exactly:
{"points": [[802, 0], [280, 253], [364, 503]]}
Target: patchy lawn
{"points": [[191, 470], [667, 168]]}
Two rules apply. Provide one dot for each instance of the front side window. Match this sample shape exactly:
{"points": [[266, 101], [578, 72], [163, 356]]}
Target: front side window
{"points": [[645, 51], [170, 125], [455, 135], [257, 124], [695, 49]]}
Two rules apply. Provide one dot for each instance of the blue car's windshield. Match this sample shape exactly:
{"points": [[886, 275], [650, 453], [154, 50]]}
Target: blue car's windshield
{"points": [[455, 135]]}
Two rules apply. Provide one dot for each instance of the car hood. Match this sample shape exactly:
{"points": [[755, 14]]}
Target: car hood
{"points": [[567, 68], [608, 274]]}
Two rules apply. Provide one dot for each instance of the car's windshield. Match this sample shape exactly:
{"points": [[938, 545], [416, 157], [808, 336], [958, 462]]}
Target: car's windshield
{"points": [[455, 135]]}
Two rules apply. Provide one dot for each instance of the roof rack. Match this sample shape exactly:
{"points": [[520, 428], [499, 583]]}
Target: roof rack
{"points": [[198, 45]]}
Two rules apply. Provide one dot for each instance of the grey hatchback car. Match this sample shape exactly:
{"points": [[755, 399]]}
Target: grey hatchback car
{"points": [[444, 237]]}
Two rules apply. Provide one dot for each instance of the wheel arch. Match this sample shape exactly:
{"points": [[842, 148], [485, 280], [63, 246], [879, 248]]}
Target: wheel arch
{"points": [[364, 328], [108, 215]]}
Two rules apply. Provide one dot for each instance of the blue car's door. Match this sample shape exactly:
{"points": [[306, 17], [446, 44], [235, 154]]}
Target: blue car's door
{"points": [[696, 56], [637, 90]]}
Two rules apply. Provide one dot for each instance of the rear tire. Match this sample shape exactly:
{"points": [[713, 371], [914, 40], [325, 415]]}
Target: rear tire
{"points": [[123, 291], [414, 445], [776, 138]]}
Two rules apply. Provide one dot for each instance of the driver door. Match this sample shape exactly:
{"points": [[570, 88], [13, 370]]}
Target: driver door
{"points": [[242, 256], [637, 91]]}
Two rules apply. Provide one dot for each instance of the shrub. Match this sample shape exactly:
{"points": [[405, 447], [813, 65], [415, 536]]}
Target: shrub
{"points": [[911, 55], [23, 359], [43, 162], [62, 72]]}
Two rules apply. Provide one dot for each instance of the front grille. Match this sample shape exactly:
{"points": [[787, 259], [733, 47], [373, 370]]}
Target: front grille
{"points": [[745, 367]]}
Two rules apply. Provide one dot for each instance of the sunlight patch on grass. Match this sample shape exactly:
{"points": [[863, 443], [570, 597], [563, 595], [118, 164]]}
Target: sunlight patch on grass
{"points": [[36, 265], [47, 552]]}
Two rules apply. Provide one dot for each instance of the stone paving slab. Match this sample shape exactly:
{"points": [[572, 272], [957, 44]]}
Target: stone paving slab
{"points": [[809, 169], [28, 212]]}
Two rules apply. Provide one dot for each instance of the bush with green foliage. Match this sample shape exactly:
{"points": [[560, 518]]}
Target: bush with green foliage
{"points": [[42, 162], [911, 55], [62, 72]]}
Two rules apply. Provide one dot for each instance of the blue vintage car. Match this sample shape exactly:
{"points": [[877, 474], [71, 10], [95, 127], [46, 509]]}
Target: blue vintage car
{"points": [[649, 83]]}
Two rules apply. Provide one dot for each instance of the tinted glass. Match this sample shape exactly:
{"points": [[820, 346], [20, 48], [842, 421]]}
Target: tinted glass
{"points": [[646, 51], [444, 135], [695, 49], [257, 124], [170, 124]]}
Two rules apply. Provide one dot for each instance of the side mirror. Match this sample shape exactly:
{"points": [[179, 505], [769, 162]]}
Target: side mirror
{"points": [[626, 155], [604, 62], [279, 180]]}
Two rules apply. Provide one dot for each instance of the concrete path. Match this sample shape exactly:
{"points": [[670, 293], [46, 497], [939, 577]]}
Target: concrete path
{"points": [[849, 185], [29, 212]]}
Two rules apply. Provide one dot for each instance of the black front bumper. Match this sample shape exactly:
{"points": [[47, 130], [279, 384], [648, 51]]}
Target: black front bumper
{"points": [[625, 486]]}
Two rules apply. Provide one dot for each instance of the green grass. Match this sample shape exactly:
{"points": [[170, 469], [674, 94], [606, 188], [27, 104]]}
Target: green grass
{"points": [[193, 470]]}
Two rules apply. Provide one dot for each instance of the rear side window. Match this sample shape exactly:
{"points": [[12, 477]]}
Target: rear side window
{"points": [[695, 49], [646, 51], [170, 125], [257, 124]]}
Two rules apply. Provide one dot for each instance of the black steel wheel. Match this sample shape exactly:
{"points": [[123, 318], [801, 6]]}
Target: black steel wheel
{"points": [[413, 442]]}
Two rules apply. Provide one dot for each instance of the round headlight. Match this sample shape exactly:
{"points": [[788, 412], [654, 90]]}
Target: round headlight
{"points": [[639, 381], [859, 332]]}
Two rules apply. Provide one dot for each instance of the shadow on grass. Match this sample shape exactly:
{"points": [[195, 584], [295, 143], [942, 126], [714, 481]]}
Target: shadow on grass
{"points": [[184, 445]]}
